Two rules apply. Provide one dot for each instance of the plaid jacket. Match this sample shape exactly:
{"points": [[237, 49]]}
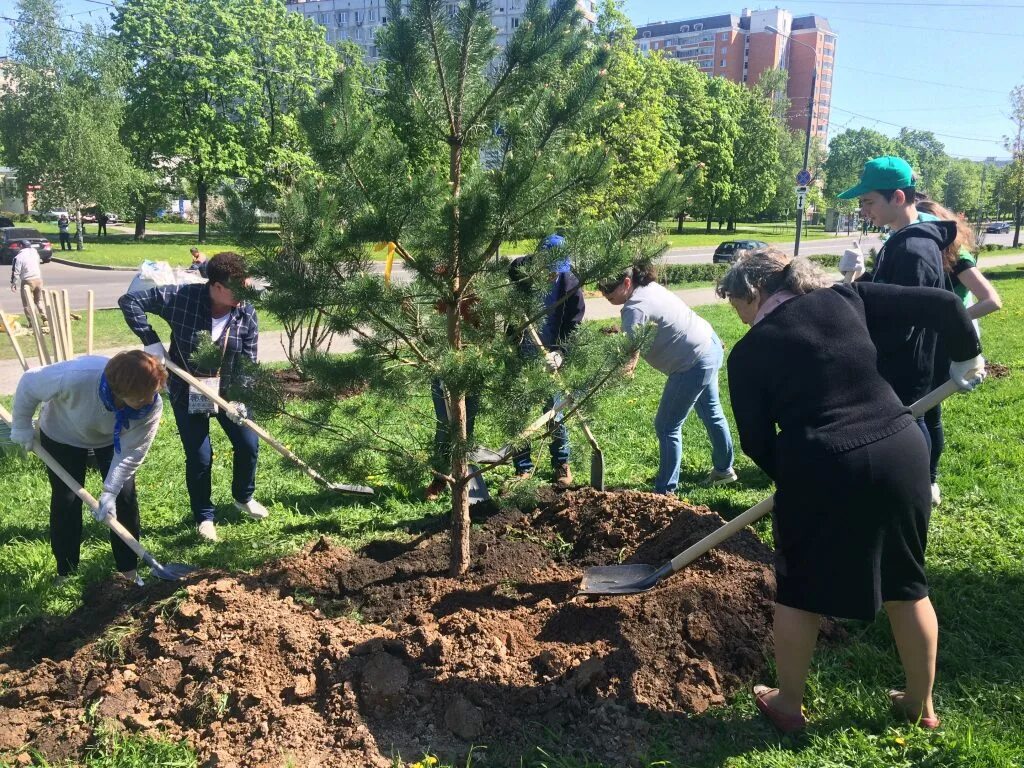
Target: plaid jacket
{"points": [[186, 308]]}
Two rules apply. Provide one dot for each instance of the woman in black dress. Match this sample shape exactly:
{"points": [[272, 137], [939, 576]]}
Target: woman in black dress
{"points": [[850, 466]]}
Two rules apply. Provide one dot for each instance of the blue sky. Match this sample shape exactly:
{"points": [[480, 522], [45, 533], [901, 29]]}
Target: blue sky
{"points": [[937, 65]]}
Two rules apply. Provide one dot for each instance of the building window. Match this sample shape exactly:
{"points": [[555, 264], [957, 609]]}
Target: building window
{"points": [[371, 15], [684, 28], [723, 63], [342, 18], [698, 27], [723, 51], [515, 22], [725, 36], [646, 34]]}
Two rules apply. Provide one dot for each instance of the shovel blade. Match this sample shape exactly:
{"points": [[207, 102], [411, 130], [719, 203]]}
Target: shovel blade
{"points": [[477, 487], [619, 579], [597, 469], [359, 490], [171, 571]]}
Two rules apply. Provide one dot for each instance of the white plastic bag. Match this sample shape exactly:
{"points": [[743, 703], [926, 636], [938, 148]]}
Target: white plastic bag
{"points": [[153, 274]]}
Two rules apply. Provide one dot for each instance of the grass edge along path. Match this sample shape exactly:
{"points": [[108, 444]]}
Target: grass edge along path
{"points": [[975, 565]]}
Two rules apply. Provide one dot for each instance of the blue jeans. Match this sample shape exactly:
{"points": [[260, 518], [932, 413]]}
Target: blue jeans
{"points": [[693, 389], [441, 460], [559, 445], [195, 439]]}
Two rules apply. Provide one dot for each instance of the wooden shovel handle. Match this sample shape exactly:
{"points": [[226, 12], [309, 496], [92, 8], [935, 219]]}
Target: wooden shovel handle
{"points": [[90, 501], [265, 436], [765, 506]]}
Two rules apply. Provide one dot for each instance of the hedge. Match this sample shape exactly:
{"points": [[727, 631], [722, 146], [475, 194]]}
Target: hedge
{"points": [[674, 274]]}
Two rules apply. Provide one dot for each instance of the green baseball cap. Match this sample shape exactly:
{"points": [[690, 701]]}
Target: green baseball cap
{"points": [[886, 172]]}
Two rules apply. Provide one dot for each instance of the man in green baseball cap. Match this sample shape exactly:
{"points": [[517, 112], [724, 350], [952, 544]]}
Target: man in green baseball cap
{"points": [[912, 256]]}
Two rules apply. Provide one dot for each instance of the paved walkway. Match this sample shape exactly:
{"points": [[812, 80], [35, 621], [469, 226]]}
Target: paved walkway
{"points": [[272, 347]]}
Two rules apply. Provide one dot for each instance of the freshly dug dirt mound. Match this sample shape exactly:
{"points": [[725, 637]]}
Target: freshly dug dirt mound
{"points": [[336, 658]]}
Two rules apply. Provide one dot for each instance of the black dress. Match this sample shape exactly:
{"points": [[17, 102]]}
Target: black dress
{"points": [[850, 466]]}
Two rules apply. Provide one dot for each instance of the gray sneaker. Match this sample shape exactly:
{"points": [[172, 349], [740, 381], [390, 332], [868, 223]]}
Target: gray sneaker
{"points": [[720, 477]]}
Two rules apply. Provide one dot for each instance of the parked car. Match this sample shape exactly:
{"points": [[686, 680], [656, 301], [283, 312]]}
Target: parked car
{"points": [[54, 215], [998, 227], [6, 222], [13, 239], [727, 252]]}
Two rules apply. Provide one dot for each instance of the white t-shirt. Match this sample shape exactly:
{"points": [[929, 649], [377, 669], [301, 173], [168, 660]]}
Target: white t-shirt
{"points": [[219, 324]]}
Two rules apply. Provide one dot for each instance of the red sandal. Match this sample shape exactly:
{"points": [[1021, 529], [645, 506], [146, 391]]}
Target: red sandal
{"points": [[786, 723], [928, 723]]}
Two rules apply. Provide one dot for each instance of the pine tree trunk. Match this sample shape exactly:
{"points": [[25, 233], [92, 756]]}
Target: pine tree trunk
{"points": [[201, 192]]}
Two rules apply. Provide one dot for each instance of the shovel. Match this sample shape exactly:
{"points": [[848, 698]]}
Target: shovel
{"points": [[188, 378], [169, 572], [596, 454], [631, 579]]}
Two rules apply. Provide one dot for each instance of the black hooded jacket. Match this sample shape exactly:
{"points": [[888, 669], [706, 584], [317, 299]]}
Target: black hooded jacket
{"points": [[911, 257]]}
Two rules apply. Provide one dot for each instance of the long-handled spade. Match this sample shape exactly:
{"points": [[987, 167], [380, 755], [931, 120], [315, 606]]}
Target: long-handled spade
{"points": [[262, 434], [631, 579], [168, 572], [596, 454]]}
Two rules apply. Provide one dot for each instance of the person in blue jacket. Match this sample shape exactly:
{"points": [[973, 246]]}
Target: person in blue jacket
{"points": [[565, 309]]}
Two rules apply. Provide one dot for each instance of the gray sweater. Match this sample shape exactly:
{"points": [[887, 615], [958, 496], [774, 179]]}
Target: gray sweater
{"points": [[74, 415], [681, 336]]}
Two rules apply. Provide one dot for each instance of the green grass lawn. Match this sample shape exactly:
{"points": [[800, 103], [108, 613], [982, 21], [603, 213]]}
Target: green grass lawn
{"points": [[975, 558]]}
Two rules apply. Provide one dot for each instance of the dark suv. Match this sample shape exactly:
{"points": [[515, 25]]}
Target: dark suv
{"points": [[13, 239], [727, 251]]}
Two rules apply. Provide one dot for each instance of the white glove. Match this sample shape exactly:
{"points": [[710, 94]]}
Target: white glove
{"points": [[553, 361], [237, 412], [852, 260], [966, 374], [23, 436], [107, 507], [156, 350]]}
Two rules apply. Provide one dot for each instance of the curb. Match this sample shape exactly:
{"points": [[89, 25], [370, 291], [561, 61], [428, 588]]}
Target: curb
{"points": [[100, 267]]}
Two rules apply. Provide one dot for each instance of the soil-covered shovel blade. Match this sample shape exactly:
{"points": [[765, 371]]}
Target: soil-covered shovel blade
{"points": [[621, 579], [597, 469]]}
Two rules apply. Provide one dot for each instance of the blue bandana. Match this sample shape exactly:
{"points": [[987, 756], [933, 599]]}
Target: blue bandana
{"points": [[122, 415]]}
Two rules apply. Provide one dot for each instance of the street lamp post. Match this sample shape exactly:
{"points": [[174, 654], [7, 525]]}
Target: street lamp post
{"points": [[807, 139]]}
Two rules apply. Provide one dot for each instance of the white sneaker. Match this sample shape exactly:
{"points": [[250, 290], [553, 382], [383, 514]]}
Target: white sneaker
{"points": [[721, 477], [208, 531], [252, 509], [936, 495]]}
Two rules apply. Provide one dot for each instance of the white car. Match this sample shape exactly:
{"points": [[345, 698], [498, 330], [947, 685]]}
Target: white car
{"points": [[54, 215]]}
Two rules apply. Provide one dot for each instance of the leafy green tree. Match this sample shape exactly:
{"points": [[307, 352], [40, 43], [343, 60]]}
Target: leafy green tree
{"points": [[691, 122], [847, 153], [962, 191], [459, 151], [717, 185], [756, 153], [633, 117], [927, 155], [216, 88], [60, 119], [1013, 181]]}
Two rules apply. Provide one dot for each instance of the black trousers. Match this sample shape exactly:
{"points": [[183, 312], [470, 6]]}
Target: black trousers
{"points": [[66, 507]]}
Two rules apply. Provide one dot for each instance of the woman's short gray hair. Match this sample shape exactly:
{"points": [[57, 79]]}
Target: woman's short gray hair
{"points": [[768, 270]]}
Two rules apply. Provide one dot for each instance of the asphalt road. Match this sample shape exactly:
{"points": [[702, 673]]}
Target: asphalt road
{"points": [[109, 285]]}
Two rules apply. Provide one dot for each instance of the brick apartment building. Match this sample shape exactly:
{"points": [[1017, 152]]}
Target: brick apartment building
{"points": [[359, 20], [742, 47]]}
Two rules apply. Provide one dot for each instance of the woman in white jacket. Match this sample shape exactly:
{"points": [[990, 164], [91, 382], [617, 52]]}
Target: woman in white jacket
{"points": [[110, 406]]}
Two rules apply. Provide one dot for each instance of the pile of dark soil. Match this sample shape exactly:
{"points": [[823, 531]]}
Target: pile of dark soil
{"points": [[331, 657], [996, 370]]}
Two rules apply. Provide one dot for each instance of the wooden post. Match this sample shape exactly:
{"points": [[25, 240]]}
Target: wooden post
{"points": [[32, 313], [9, 327], [55, 325], [89, 318], [66, 304]]}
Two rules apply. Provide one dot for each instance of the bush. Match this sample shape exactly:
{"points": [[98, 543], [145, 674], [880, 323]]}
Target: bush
{"points": [[681, 274], [171, 218]]}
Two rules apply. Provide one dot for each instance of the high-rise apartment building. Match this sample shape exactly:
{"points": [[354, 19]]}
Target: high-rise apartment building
{"points": [[359, 20], [742, 47]]}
